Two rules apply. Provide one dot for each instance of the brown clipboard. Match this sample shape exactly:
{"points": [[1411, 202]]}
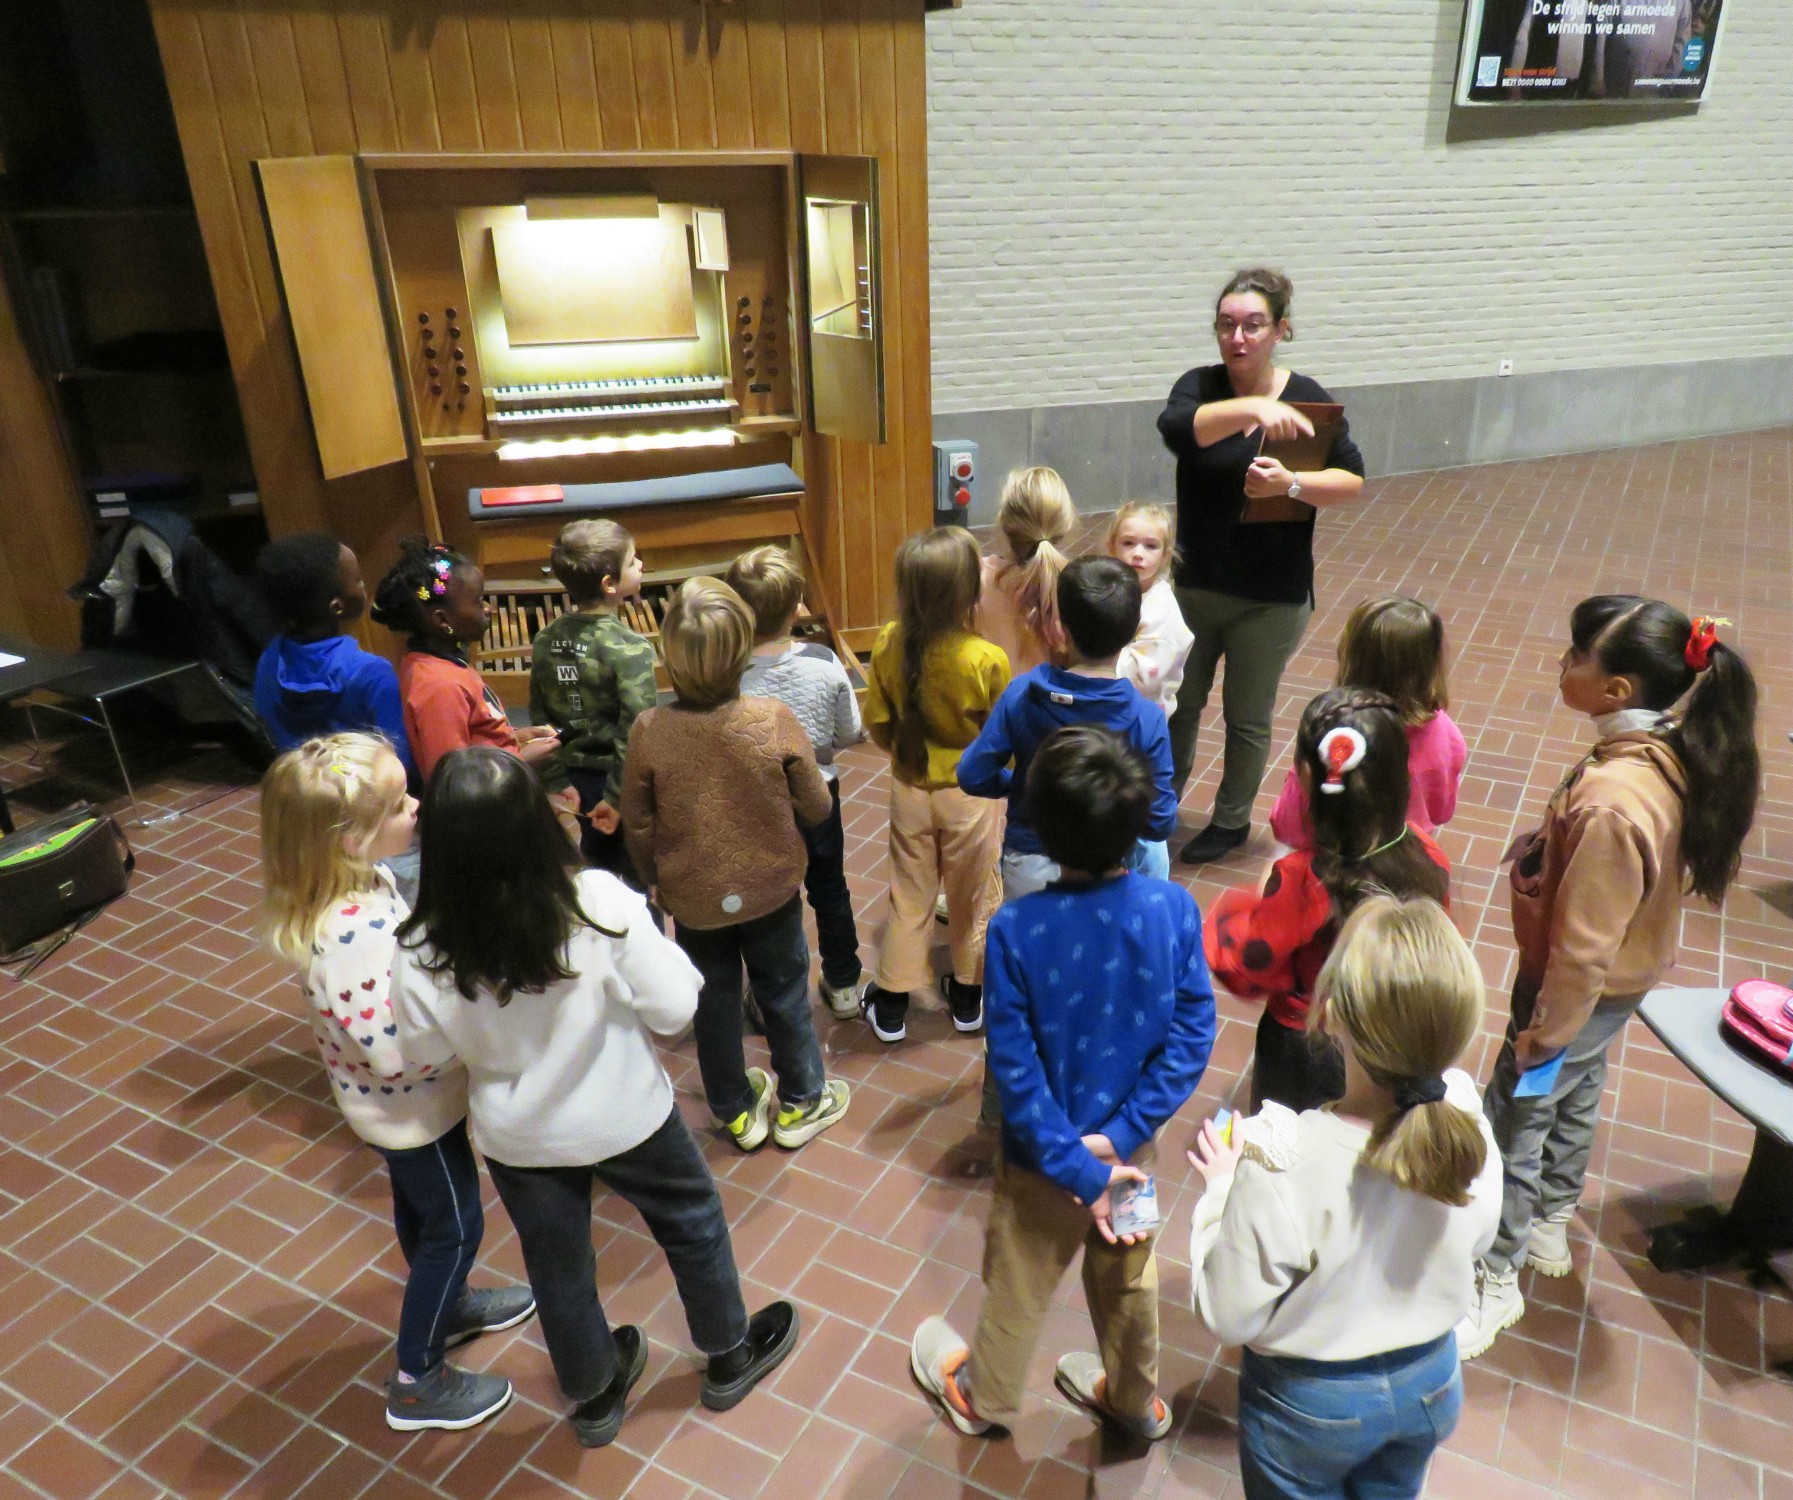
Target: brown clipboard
{"points": [[1300, 455]]}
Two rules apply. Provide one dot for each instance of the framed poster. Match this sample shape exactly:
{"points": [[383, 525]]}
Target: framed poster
{"points": [[1580, 51]]}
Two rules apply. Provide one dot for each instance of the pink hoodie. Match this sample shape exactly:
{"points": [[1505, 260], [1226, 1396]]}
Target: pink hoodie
{"points": [[1436, 756]]}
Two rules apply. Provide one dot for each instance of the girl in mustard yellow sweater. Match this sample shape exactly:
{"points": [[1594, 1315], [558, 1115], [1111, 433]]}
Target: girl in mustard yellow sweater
{"points": [[933, 683]]}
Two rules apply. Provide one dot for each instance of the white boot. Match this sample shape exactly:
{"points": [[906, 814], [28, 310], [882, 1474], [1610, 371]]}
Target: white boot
{"points": [[1497, 1305], [1547, 1252]]}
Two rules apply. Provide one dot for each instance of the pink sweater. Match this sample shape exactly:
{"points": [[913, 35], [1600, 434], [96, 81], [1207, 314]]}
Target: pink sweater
{"points": [[1436, 755]]}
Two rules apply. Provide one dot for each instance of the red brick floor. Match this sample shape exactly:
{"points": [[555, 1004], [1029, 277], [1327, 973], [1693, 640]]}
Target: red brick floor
{"points": [[198, 1284]]}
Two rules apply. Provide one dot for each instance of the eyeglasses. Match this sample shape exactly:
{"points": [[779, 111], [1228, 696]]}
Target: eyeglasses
{"points": [[1252, 328]]}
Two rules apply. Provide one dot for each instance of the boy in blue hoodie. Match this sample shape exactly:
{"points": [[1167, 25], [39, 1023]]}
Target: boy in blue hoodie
{"points": [[313, 679], [1098, 616], [1101, 1018]]}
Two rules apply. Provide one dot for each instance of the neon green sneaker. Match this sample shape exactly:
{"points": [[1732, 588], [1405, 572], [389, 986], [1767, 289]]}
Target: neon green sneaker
{"points": [[796, 1125], [748, 1129]]}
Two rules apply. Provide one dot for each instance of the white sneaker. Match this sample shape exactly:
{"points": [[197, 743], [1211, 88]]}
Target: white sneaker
{"points": [[843, 1003], [940, 912], [1498, 1305], [936, 1357], [1547, 1252]]}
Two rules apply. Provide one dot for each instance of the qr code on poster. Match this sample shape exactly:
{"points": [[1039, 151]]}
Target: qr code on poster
{"points": [[1487, 71]]}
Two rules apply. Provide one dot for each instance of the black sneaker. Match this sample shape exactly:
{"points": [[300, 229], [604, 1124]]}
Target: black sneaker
{"points": [[488, 1310], [887, 1011], [598, 1420], [966, 1002], [771, 1334], [1213, 842], [446, 1397]]}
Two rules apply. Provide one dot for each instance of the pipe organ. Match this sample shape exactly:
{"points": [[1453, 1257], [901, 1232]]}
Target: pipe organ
{"points": [[540, 337]]}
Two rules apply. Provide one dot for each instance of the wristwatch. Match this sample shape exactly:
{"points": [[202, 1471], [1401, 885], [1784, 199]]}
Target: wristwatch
{"points": [[1294, 489]]}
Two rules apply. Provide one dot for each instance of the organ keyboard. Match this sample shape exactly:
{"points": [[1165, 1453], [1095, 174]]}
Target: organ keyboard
{"points": [[575, 407]]}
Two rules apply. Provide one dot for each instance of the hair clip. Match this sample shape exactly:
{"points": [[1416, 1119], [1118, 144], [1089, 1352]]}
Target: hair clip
{"points": [[1341, 750], [1700, 641]]}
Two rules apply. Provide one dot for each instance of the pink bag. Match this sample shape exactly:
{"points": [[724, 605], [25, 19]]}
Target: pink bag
{"points": [[1759, 1016]]}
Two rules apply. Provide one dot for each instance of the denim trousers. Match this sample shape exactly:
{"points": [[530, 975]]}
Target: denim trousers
{"points": [[1545, 1142], [1359, 1429], [666, 1181], [775, 954], [825, 883], [435, 1209]]}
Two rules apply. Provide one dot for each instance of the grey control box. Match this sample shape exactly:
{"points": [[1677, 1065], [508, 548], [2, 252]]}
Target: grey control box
{"points": [[955, 480]]}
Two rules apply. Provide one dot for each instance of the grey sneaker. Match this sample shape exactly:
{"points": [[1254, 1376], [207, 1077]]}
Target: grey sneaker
{"points": [[447, 1397], [842, 1001], [488, 1310], [795, 1125]]}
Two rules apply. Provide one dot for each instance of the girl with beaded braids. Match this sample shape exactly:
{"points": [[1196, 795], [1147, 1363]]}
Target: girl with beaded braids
{"points": [[436, 597], [1338, 1245], [1658, 808], [1351, 761]]}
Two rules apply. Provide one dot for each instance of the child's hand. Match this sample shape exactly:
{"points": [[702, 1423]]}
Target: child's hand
{"points": [[1100, 1147], [1102, 1210], [537, 743], [1527, 1054], [1214, 1156], [604, 818]]}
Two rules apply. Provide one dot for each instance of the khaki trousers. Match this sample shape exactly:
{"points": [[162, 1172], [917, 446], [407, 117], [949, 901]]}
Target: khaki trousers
{"points": [[1034, 1234], [939, 840]]}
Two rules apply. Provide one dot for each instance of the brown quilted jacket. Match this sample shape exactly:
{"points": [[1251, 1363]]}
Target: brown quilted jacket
{"points": [[708, 802]]}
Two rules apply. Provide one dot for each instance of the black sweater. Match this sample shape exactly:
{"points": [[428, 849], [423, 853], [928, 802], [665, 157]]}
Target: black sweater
{"points": [[1271, 562]]}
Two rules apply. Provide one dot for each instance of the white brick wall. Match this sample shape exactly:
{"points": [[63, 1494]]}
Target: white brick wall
{"points": [[1098, 167]]}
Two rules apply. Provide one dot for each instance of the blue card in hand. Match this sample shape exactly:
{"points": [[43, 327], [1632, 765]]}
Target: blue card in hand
{"points": [[1540, 1078]]}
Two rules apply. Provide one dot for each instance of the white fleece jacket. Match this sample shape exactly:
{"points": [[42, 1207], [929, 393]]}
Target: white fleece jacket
{"points": [[1155, 661], [1305, 1252], [569, 1076]]}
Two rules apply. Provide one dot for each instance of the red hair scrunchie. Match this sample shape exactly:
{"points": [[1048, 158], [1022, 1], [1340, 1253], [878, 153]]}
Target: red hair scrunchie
{"points": [[1700, 641]]}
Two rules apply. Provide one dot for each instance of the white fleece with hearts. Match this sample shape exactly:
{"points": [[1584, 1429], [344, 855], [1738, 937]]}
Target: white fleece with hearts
{"points": [[347, 986]]}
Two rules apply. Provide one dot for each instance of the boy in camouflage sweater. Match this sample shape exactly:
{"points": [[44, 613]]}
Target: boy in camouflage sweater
{"points": [[591, 676]]}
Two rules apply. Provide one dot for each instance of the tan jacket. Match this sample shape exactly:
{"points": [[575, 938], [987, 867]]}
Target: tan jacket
{"points": [[1597, 894], [708, 796]]}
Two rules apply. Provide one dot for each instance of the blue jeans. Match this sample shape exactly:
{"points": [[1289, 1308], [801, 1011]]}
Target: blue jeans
{"points": [[435, 1209], [1358, 1429], [667, 1183], [776, 956], [1150, 857]]}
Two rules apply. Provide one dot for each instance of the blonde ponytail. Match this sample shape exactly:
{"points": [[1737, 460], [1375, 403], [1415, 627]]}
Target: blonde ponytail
{"points": [[1402, 991], [1036, 518]]}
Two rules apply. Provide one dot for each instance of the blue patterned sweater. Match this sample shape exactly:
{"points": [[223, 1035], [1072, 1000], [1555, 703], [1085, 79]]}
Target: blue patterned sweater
{"points": [[1100, 1017]]}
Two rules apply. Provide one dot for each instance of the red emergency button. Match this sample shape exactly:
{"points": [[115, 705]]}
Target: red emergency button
{"points": [[962, 469], [961, 496]]}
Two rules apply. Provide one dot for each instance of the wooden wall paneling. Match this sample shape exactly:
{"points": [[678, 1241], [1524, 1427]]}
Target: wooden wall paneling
{"points": [[689, 39], [495, 79], [909, 333], [575, 83], [279, 88], [890, 460], [264, 390], [731, 86], [413, 89], [840, 77], [324, 78], [656, 98], [613, 64], [361, 42], [803, 74], [43, 514], [764, 21], [451, 75], [532, 63]]}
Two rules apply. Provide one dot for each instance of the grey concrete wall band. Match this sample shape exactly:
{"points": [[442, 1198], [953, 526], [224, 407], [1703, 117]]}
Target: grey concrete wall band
{"points": [[1110, 452]]}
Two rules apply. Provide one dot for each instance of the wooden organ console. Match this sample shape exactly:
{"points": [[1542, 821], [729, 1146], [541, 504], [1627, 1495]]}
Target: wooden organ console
{"points": [[647, 337]]}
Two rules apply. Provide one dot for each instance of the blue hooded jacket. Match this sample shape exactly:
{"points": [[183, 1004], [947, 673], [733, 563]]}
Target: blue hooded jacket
{"points": [[1049, 698], [327, 687]]}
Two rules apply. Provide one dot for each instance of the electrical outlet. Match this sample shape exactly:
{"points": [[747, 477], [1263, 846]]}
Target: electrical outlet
{"points": [[1506, 367]]}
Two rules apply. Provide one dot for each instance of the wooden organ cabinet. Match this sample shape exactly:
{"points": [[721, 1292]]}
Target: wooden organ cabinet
{"points": [[646, 337]]}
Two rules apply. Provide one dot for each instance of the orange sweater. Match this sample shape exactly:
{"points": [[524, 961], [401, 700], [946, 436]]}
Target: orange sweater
{"points": [[448, 707]]}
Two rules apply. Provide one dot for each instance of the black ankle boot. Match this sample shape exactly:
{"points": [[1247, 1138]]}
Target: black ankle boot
{"points": [[1214, 842], [771, 1334], [598, 1420]]}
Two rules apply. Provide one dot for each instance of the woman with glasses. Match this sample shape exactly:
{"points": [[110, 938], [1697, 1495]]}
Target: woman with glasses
{"points": [[1246, 587]]}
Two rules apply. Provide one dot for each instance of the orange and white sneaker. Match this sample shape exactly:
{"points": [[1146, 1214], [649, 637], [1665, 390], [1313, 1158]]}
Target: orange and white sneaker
{"points": [[1084, 1384], [937, 1355]]}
